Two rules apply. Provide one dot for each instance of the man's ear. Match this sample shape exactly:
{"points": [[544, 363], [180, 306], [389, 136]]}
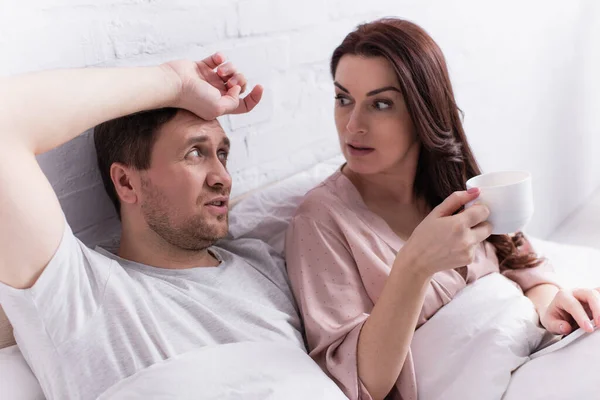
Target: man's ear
{"points": [[126, 181]]}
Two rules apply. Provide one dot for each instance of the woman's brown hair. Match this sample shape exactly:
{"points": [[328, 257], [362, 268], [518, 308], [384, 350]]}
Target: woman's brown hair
{"points": [[446, 160]]}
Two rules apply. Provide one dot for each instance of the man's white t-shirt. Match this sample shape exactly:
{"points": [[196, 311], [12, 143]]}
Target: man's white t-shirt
{"points": [[93, 319]]}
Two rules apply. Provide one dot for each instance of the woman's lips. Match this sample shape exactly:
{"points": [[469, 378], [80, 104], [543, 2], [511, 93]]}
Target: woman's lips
{"points": [[358, 150]]}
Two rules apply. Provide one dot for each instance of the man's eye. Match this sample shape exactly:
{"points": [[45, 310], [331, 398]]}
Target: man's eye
{"points": [[194, 153], [223, 155]]}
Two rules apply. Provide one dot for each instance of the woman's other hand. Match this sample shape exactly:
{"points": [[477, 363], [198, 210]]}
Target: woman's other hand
{"points": [[571, 308]]}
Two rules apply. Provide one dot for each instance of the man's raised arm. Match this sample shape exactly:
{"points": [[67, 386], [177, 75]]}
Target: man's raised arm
{"points": [[41, 111]]}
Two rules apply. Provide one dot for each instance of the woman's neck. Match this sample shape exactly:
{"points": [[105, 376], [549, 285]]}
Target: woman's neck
{"points": [[395, 185], [389, 186], [391, 195]]}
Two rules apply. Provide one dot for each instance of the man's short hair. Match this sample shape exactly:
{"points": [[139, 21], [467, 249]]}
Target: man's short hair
{"points": [[128, 140]]}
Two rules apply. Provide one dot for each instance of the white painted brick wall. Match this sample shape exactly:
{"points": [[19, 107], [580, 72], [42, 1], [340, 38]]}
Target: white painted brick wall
{"points": [[258, 17], [525, 73]]}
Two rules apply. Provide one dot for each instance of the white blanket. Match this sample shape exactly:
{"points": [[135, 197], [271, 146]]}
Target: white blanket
{"points": [[248, 370], [568, 373], [468, 350], [477, 347], [470, 347]]}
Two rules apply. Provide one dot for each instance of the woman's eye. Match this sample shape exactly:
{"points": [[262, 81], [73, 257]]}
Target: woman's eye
{"points": [[223, 155], [382, 105], [342, 101]]}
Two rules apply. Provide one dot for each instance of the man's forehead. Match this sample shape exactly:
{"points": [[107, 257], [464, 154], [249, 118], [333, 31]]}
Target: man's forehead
{"points": [[187, 126]]}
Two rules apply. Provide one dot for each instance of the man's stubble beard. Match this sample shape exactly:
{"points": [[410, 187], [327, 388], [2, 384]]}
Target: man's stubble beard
{"points": [[193, 234]]}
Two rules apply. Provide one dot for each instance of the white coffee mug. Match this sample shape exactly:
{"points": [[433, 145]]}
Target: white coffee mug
{"points": [[509, 197]]}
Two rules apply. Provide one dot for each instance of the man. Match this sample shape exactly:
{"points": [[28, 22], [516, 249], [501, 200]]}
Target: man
{"points": [[86, 319]]}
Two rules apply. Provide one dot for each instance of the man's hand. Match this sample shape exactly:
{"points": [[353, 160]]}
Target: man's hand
{"points": [[211, 88]]}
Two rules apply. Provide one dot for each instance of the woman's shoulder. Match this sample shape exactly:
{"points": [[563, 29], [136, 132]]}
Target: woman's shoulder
{"points": [[325, 200]]}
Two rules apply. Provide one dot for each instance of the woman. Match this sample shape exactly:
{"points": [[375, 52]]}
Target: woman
{"points": [[383, 243]]}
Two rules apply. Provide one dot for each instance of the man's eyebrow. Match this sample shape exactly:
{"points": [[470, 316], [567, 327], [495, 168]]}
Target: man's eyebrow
{"points": [[196, 140], [205, 138], [226, 142]]}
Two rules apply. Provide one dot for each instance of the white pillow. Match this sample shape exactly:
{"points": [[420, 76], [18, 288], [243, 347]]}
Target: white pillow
{"points": [[17, 382], [575, 266], [470, 347], [265, 214]]}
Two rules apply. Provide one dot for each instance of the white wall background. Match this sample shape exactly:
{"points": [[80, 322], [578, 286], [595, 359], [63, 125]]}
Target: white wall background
{"points": [[524, 71]]}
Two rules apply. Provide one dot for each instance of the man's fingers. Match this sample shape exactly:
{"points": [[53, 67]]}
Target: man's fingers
{"points": [[214, 60], [228, 103], [238, 79], [230, 75], [231, 103], [226, 70], [250, 101]]}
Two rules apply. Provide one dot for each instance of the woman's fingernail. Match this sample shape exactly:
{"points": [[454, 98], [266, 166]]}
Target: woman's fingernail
{"points": [[233, 82], [589, 326], [473, 190], [561, 328]]}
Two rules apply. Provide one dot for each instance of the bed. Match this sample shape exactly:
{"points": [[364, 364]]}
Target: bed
{"points": [[477, 347]]}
